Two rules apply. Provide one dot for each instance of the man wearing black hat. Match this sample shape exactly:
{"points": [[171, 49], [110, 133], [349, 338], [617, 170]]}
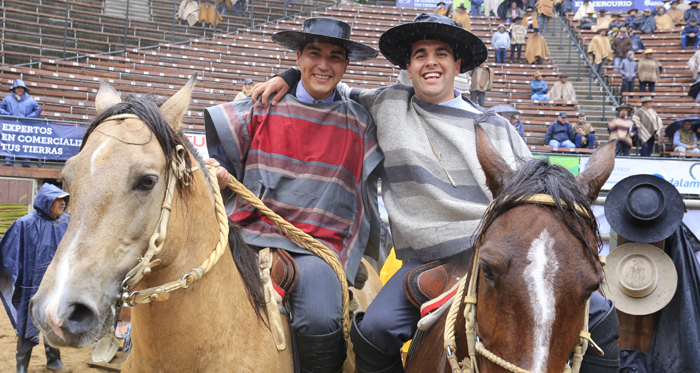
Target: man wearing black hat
{"points": [[622, 129], [693, 13], [648, 124], [426, 171], [518, 34], [632, 14], [442, 9], [314, 160]]}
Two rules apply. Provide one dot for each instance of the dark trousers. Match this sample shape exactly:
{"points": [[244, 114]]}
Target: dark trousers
{"points": [[647, 147], [622, 149], [239, 8], [513, 48], [478, 97], [598, 67], [644, 85], [627, 86], [221, 7], [590, 138]]}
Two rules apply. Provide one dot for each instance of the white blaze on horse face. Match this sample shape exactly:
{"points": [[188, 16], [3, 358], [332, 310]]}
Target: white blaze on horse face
{"points": [[94, 160], [62, 272], [539, 277]]}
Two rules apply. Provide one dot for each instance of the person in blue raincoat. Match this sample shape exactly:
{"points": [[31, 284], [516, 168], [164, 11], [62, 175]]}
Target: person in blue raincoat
{"points": [[538, 88], [19, 104], [26, 250]]}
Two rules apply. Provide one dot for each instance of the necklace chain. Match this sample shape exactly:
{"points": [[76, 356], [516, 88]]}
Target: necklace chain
{"points": [[435, 151]]}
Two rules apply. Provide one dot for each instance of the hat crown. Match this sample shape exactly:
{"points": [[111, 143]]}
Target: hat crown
{"points": [[637, 275], [645, 203], [434, 18], [327, 27]]}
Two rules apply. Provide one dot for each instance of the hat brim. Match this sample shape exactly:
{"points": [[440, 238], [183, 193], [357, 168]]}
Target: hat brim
{"points": [[395, 44], [660, 296], [615, 207], [295, 40]]}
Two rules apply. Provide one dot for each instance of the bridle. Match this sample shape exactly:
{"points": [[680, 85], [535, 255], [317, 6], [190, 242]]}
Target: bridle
{"points": [[469, 365]]}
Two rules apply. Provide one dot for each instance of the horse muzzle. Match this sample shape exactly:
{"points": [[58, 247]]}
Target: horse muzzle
{"points": [[67, 322]]}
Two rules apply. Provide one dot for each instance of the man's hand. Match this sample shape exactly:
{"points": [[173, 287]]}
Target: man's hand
{"points": [[692, 35], [266, 89], [222, 176]]}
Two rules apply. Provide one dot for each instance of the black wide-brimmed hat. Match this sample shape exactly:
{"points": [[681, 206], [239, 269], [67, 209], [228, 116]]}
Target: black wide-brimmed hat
{"points": [[395, 44], [624, 106], [644, 208], [325, 30]]}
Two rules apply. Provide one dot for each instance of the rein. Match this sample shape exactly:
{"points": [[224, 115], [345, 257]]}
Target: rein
{"points": [[469, 365], [177, 171]]}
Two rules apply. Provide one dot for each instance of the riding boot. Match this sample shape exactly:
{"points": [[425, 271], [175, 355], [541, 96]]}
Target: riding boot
{"points": [[322, 353], [24, 354], [368, 358], [53, 360], [605, 335]]}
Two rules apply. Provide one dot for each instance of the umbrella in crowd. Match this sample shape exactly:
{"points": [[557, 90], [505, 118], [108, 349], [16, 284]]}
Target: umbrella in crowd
{"points": [[678, 124]]}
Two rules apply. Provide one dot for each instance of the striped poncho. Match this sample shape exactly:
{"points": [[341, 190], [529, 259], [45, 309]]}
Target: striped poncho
{"points": [[315, 164]]}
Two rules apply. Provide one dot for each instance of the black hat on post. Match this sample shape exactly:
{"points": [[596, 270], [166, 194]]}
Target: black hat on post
{"points": [[395, 44], [644, 208], [325, 30]]}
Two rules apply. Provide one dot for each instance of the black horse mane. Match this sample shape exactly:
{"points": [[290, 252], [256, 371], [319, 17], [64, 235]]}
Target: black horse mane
{"points": [[147, 109], [538, 176]]}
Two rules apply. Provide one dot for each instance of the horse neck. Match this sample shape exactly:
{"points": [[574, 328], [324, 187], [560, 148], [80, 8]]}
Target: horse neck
{"points": [[206, 309]]}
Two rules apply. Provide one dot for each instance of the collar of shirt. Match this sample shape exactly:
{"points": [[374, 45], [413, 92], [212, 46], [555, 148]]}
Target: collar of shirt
{"points": [[459, 103], [303, 95]]}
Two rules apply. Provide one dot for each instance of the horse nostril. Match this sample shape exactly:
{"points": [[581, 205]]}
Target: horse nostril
{"points": [[81, 319]]}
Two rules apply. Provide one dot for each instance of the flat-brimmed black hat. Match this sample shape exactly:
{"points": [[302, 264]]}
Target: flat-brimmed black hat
{"points": [[644, 208], [395, 44], [325, 30], [624, 106], [633, 10]]}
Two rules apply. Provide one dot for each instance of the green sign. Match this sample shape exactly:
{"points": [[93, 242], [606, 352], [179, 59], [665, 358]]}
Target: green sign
{"points": [[570, 163]]}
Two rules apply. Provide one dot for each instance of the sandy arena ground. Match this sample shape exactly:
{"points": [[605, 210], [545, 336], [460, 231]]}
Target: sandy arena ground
{"points": [[71, 357]]}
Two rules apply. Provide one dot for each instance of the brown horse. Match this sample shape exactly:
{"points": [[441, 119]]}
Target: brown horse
{"points": [[538, 266], [117, 184]]}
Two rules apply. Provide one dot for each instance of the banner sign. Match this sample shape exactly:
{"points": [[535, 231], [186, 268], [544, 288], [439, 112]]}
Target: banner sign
{"points": [[683, 175], [615, 6], [38, 139], [200, 142]]}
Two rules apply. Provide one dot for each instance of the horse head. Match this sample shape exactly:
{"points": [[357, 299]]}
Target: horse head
{"points": [[538, 262], [117, 182]]}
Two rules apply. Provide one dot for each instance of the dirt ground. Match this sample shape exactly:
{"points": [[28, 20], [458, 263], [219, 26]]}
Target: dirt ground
{"points": [[74, 358]]}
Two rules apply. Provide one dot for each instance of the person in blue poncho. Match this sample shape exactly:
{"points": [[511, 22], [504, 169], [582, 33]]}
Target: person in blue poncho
{"points": [[538, 88], [19, 104], [26, 250]]}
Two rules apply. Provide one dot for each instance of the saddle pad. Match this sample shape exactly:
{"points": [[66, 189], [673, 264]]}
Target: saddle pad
{"points": [[430, 281], [432, 305], [283, 273]]}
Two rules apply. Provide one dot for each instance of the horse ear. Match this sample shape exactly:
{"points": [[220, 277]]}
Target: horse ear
{"points": [[597, 170], [175, 107], [495, 167], [106, 97]]}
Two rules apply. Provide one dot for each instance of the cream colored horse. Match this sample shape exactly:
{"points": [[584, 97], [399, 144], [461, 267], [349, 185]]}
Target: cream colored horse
{"points": [[117, 184]]}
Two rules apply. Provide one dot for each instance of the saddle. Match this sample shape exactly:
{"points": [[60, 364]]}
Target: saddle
{"points": [[430, 281], [283, 272]]}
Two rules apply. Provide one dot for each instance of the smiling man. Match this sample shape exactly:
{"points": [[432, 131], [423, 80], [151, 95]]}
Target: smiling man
{"points": [[313, 160]]}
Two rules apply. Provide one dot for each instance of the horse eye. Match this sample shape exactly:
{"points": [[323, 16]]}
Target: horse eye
{"points": [[146, 183], [487, 271]]}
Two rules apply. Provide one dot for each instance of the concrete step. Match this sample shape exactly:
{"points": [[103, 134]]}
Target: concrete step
{"points": [[138, 9]]}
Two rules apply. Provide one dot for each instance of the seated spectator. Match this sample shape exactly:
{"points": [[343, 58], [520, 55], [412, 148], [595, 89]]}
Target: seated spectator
{"points": [[545, 12], [515, 121], [644, 23], [239, 8], [476, 7], [462, 18], [663, 21], [616, 22], [189, 12], [602, 22], [501, 43], [19, 104], [587, 22], [208, 16], [529, 21], [518, 34], [612, 35], [622, 129], [690, 35], [560, 133], [685, 140], [584, 133], [637, 43], [620, 46], [481, 82], [442, 9], [247, 89], [563, 90], [631, 15], [628, 70], [584, 10], [538, 88], [676, 14], [599, 52], [536, 48], [693, 13], [694, 66], [513, 12], [649, 71]]}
